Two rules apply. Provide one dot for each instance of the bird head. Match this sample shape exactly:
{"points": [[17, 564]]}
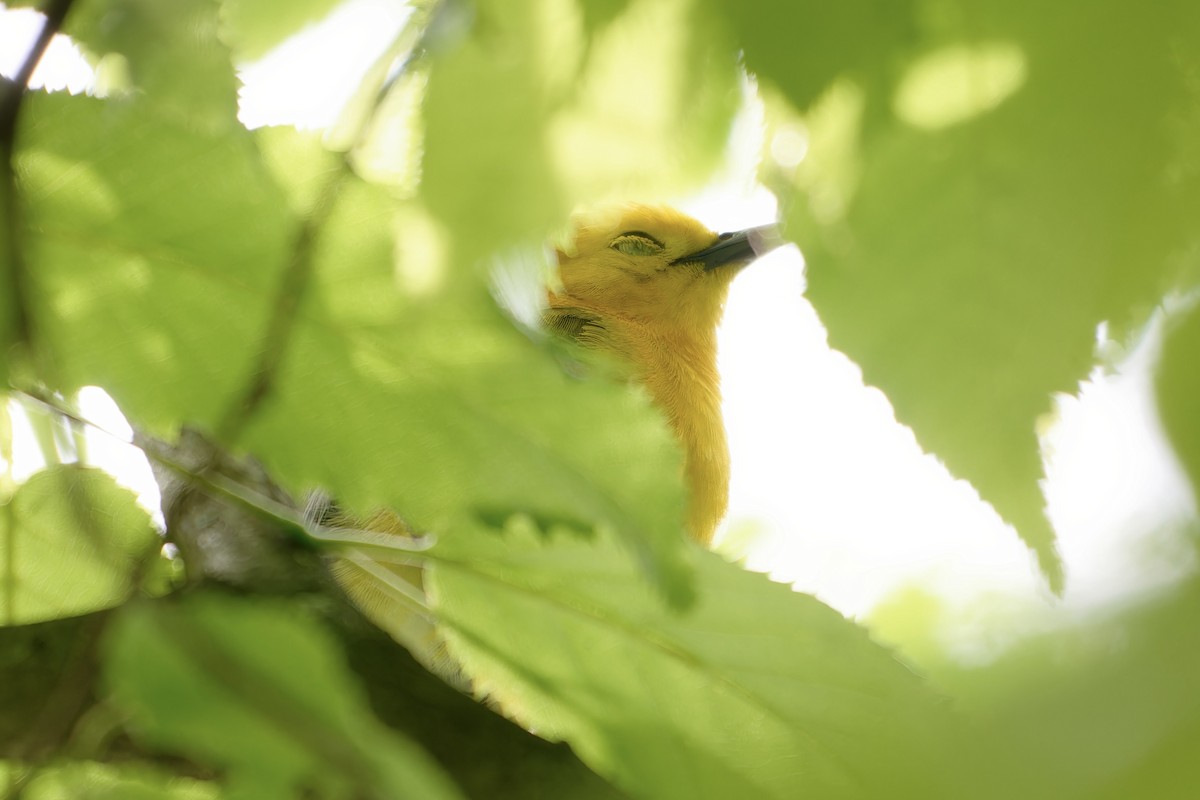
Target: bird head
{"points": [[653, 264]]}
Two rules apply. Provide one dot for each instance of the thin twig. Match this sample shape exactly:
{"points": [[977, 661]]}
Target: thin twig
{"points": [[13, 268], [293, 285], [407, 48], [388, 547]]}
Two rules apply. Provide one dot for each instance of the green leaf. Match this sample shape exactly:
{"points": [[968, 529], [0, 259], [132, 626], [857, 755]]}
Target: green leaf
{"points": [[649, 112], [485, 172], [258, 691], [93, 781], [802, 47], [1104, 710], [298, 163], [756, 691], [965, 256], [170, 52], [600, 13], [153, 255], [1178, 385], [70, 541], [254, 27], [540, 107]]}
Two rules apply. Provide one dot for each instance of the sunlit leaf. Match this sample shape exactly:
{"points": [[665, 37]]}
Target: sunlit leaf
{"points": [[801, 47], [154, 254], [966, 265], [649, 112], [253, 27], [540, 107], [756, 691], [485, 173], [170, 52], [298, 163], [70, 542], [259, 691]]}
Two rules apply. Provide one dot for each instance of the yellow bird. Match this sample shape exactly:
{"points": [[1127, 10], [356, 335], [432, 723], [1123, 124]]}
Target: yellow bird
{"points": [[647, 284]]}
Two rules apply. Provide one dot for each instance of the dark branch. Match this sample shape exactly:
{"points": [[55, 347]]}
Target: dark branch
{"points": [[56, 13], [13, 269]]}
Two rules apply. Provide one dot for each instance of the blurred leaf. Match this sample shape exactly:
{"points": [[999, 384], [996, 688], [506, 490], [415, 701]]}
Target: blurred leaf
{"points": [[170, 51], [388, 133], [298, 163], [1178, 388], [84, 780], [1104, 710], [154, 254], [965, 258], [802, 47], [599, 13], [254, 27], [756, 691], [70, 540], [485, 173], [258, 691], [650, 111], [543, 107]]}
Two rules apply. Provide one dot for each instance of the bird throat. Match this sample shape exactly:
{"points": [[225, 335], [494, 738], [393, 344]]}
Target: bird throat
{"points": [[680, 372]]}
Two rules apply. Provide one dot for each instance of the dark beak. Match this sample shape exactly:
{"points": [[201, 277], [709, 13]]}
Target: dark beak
{"points": [[738, 248]]}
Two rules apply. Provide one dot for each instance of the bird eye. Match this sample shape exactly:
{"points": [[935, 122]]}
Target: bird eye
{"points": [[636, 243]]}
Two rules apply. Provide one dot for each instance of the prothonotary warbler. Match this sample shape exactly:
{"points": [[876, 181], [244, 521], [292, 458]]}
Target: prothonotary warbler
{"points": [[647, 284]]}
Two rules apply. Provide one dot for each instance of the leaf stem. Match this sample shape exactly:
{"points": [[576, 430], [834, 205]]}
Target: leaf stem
{"points": [[293, 285]]}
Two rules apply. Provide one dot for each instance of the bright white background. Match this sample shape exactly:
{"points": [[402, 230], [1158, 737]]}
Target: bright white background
{"points": [[829, 492]]}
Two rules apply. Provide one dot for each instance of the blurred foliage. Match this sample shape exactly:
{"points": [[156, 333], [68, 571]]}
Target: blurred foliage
{"points": [[981, 185], [254, 27], [203, 677], [1108, 709], [74, 542]]}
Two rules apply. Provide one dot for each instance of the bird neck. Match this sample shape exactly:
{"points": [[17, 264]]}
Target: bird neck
{"points": [[679, 368]]}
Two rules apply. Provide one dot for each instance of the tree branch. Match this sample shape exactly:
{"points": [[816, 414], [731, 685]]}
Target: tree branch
{"points": [[13, 269], [197, 470]]}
